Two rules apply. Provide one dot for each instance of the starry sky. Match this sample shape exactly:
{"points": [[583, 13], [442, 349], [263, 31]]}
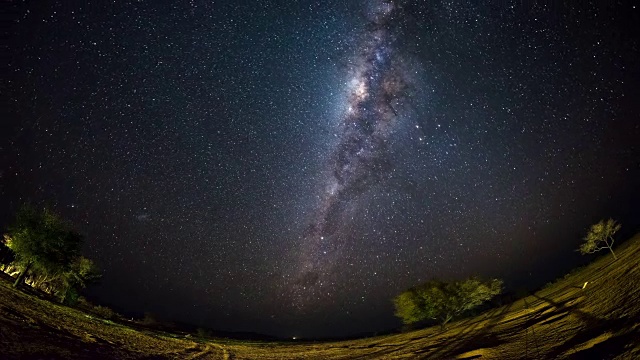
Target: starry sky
{"points": [[287, 167]]}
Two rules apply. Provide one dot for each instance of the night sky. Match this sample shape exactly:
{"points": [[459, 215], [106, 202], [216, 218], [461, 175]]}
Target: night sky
{"points": [[287, 167]]}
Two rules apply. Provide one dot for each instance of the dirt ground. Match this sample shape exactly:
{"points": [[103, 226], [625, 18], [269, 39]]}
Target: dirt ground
{"points": [[562, 321]]}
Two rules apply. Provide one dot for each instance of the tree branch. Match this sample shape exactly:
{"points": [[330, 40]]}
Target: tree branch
{"points": [[597, 249]]}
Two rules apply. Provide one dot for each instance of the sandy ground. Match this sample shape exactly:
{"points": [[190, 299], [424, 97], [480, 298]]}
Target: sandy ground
{"points": [[562, 321]]}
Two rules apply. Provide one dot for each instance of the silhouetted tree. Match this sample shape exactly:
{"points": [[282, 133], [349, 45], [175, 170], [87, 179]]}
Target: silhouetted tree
{"points": [[42, 242], [7, 256], [600, 236], [443, 301]]}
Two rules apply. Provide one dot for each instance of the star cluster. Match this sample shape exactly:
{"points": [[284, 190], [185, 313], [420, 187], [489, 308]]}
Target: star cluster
{"points": [[288, 167]]}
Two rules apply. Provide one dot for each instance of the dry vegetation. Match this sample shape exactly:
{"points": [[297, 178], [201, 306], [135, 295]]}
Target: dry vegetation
{"points": [[562, 321]]}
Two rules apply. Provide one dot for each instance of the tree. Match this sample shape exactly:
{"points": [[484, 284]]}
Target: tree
{"points": [[42, 243], [6, 254], [600, 236], [65, 285], [443, 301], [81, 273]]}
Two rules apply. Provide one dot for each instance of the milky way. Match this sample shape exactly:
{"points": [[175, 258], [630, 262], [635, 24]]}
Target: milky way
{"points": [[360, 158]]}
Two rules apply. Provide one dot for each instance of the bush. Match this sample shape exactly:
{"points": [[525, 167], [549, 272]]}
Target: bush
{"points": [[203, 333], [104, 312], [69, 296], [101, 311], [149, 319]]}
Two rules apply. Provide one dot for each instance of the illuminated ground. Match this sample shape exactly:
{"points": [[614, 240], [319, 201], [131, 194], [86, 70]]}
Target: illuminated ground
{"points": [[562, 321]]}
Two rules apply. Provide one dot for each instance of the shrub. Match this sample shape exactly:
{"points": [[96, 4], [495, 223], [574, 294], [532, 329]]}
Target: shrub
{"points": [[104, 312], [203, 333]]}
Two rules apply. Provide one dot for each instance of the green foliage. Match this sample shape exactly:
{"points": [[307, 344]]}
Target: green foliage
{"points": [[442, 301], [600, 236], [42, 242], [410, 307], [104, 312], [98, 310], [149, 319], [46, 247], [7, 256], [203, 333], [69, 296], [81, 273]]}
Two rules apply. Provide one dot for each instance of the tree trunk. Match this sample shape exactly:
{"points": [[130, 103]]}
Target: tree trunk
{"points": [[612, 253], [21, 276], [443, 326]]}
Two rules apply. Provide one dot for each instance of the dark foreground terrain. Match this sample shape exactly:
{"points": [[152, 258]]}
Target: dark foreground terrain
{"points": [[562, 321]]}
